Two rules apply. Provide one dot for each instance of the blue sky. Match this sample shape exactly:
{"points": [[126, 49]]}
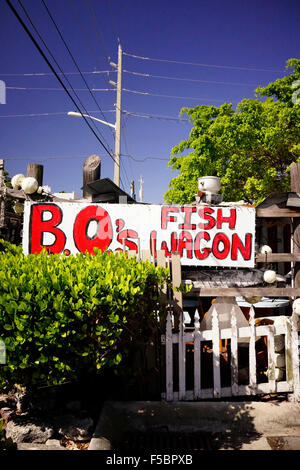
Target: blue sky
{"points": [[242, 44]]}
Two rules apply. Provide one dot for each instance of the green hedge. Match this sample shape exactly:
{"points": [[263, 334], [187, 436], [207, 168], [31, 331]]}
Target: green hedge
{"points": [[61, 317]]}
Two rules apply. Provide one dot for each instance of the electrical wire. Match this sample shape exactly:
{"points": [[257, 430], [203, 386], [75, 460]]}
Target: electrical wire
{"points": [[149, 75], [42, 74], [155, 116], [86, 36], [56, 89], [53, 58], [145, 93], [62, 157], [231, 67], [14, 11], [60, 113], [73, 58]]}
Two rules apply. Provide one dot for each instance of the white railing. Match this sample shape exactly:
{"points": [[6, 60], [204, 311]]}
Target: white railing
{"points": [[282, 336]]}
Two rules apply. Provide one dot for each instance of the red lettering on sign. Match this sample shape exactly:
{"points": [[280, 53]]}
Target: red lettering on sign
{"points": [[231, 220], [221, 237], [205, 251], [238, 245], [103, 237], [187, 218], [124, 236], [164, 245], [185, 242], [204, 214], [38, 227], [165, 217]]}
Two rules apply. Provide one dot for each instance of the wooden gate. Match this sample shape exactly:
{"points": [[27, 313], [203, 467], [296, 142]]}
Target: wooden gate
{"points": [[281, 352]]}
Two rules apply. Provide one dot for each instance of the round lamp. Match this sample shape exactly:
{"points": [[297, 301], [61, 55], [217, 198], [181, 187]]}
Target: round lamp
{"points": [[265, 249], [29, 185], [16, 180], [270, 276]]}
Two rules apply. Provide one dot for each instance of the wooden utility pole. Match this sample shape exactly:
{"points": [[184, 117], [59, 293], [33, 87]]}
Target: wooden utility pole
{"points": [[141, 192], [91, 172], [36, 171], [295, 188], [2, 197], [118, 119]]}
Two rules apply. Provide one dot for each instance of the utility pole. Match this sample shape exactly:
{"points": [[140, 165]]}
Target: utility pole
{"points": [[118, 116], [2, 195], [132, 191], [141, 192]]}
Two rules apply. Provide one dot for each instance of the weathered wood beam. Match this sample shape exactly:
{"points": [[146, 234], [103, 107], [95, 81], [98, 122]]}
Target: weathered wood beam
{"points": [[277, 213], [277, 257], [15, 193], [246, 291]]}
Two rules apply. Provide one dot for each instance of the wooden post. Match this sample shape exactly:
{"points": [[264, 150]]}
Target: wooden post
{"points": [[252, 353], [295, 187], [36, 171], [91, 172]]}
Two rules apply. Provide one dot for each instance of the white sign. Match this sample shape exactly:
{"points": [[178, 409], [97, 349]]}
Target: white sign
{"points": [[204, 235]]}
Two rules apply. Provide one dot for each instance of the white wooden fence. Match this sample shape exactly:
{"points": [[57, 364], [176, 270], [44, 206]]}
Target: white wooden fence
{"points": [[282, 335]]}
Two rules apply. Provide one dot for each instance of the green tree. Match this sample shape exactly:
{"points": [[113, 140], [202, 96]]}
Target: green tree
{"points": [[250, 148]]}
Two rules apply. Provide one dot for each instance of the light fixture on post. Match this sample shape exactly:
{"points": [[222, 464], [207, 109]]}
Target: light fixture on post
{"points": [[29, 185], [114, 126], [270, 276]]}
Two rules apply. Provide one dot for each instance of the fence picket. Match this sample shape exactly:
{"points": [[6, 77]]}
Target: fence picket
{"points": [[197, 357], [288, 354], [271, 360], [234, 354], [169, 357], [295, 357], [216, 354], [181, 357], [252, 352], [146, 255]]}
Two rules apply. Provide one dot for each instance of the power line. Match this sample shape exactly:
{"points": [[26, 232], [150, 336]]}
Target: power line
{"points": [[215, 82], [155, 116], [60, 113], [86, 36], [42, 74], [72, 57], [202, 65], [62, 157], [56, 89], [53, 70], [145, 93], [57, 64]]}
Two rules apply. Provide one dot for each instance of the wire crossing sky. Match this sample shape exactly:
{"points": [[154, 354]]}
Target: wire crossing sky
{"points": [[175, 54]]}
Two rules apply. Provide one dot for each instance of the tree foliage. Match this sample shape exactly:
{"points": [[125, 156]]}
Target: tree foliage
{"points": [[250, 148]]}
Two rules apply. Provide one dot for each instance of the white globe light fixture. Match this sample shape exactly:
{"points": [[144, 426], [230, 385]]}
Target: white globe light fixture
{"points": [[265, 249], [270, 276], [296, 306], [29, 185], [16, 180]]}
